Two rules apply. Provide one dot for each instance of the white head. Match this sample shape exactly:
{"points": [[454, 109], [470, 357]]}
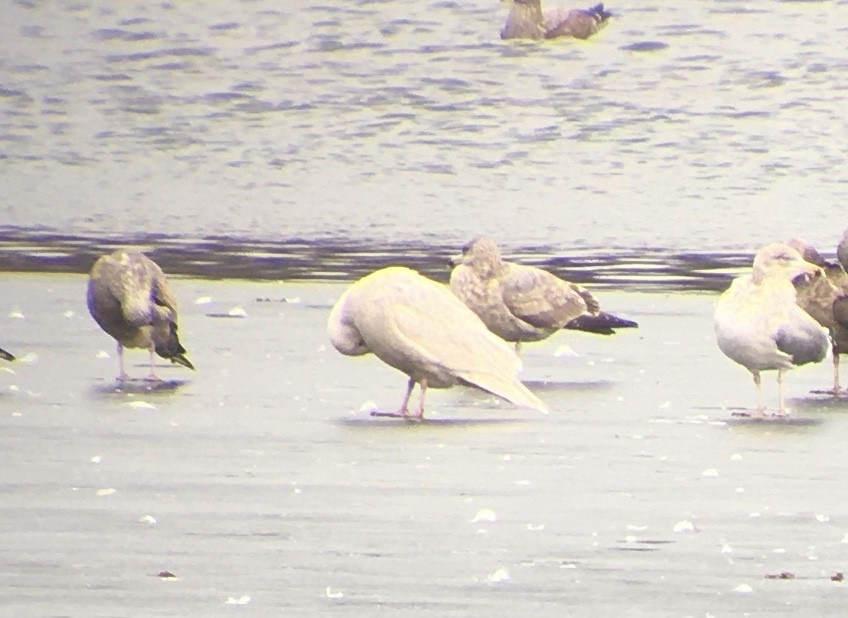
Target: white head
{"points": [[779, 260], [342, 330]]}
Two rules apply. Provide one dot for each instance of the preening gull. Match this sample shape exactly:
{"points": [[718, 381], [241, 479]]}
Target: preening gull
{"points": [[6, 355], [524, 303], [826, 299], [417, 326], [129, 297], [759, 324], [527, 21]]}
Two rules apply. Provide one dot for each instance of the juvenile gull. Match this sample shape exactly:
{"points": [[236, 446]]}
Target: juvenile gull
{"points": [[826, 299], [527, 21], [524, 303], [129, 297], [6, 355], [418, 327], [759, 324]]}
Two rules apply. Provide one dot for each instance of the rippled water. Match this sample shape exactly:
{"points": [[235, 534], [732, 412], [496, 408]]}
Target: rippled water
{"points": [[693, 128]]}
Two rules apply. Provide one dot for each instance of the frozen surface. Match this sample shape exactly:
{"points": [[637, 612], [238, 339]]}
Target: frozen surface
{"points": [[261, 483]]}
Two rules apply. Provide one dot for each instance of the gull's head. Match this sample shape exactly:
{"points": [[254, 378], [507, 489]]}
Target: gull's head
{"points": [[481, 255], [807, 251], [781, 261]]}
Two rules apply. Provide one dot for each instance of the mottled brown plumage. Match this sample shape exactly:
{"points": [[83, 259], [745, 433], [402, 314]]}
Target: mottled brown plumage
{"points": [[129, 297], [526, 20], [523, 303], [826, 300]]}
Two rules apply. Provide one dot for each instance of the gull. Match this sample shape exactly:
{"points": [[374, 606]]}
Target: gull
{"points": [[759, 324], [826, 300], [527, 21], [842, 250], [524, 303], [129, 297], [419, 327]]}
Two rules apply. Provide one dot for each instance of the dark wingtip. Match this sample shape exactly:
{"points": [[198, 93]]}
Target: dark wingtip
{"points": [[599, 12], [6, 355], [601, 324]]}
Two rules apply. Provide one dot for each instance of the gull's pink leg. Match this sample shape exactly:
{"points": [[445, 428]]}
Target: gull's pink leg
{"points": [[152, 377], [781, 411], [122, 375], [403, 411], [761, 408], [419, 413], [835, 373], [404, 406]]}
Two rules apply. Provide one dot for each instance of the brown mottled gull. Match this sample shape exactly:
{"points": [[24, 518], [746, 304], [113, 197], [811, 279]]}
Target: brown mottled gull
{"points": [[129, 297], [524, 303], [6, 355], [417, 326], [759, 324], [826, 299], [527, 21]]}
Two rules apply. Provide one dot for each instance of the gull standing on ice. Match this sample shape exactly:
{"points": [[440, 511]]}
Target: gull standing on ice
{"points": [[524, 303], [759, 324], [129, 297], [527, 21], [419, 327], [826, 299]]}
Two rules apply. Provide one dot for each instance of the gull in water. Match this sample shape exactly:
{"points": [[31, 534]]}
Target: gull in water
{"points": [[759, 324], [6, 355], [129, 297], [826, 299], [527, 21], [524, 303], [417, 326]]}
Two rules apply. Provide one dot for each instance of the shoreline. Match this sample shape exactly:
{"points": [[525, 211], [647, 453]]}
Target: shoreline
{"points": [[325, 259]]}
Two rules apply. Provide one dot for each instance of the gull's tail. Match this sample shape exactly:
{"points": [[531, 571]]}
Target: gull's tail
{"points": [[512, 390], [600, 324], [599, 13]]}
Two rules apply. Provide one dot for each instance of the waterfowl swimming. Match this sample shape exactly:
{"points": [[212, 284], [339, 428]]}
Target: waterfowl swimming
{"points": [[759, 324], [419, 327], [826, 300], [129, 297], [524, 303], [526, 20]]}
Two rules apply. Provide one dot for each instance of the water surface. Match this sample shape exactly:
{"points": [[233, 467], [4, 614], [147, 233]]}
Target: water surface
{"points": [[688, 128]]}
